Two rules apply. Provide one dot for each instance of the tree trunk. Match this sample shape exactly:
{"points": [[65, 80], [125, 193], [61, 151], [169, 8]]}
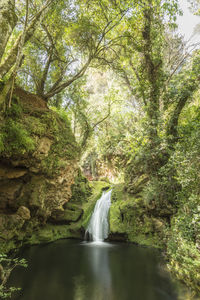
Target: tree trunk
{"points": [[8, 21]]}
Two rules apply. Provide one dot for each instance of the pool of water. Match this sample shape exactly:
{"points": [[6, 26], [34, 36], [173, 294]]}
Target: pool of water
{"points": [[74, 270]]}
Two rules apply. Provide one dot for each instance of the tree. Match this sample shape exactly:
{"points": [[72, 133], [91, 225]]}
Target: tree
{"points": [[13, 58], [150, 74], [86, 113], [162, 81], [80, 39]]}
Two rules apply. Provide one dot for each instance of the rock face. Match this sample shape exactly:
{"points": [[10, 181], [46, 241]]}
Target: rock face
{"points": [[132, 220], [38, 164]]}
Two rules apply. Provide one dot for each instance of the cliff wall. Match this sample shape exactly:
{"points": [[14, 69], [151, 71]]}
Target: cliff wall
{"points": [[38, 165]]}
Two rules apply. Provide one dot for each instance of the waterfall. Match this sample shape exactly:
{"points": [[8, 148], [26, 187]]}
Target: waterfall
{"points": [[98, 226]]}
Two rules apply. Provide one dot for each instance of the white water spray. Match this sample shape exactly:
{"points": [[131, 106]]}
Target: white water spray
{"points": [[98, 226]]}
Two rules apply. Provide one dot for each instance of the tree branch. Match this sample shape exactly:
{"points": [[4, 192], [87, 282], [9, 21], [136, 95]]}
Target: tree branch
{"points": [[58, 89], [11, 58]]}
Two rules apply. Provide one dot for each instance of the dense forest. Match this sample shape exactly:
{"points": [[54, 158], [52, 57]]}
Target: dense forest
{"points": [[92, 94]]}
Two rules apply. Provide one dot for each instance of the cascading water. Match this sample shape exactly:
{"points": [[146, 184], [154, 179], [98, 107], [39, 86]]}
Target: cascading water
{"points": [[98, 226]]}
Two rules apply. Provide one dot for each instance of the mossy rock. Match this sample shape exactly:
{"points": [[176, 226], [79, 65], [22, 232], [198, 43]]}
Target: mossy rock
{"points": [[25, 129], [71, 213], [129, 216], [50, 233]]}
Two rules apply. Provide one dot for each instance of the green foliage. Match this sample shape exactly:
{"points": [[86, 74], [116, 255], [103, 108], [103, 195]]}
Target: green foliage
{"points": [[7, 266], [182, 249], [17, 138], [15, 111], [35, 125], [62, 114]]}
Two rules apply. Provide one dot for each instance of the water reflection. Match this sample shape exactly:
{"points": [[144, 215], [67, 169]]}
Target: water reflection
{"points": [[98, 259], [68, 270]]}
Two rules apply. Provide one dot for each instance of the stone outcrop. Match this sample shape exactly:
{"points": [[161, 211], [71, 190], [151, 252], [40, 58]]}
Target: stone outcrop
{"points": [[38, 164], [131, 219]]}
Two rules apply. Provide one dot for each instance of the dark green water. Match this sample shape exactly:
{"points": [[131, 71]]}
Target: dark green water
{"points": [[71, 270]]}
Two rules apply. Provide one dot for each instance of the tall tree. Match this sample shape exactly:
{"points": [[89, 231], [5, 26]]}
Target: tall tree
{"points": [[82, 36]]}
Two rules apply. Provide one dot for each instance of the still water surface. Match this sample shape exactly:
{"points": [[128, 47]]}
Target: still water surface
{"points": [[73, 270]]}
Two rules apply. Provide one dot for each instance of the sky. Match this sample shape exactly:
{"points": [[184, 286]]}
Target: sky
{"points": [[187, 22]]}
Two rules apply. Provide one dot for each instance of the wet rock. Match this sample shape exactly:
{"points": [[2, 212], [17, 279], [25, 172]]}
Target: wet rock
{"points": [[118, 237]]}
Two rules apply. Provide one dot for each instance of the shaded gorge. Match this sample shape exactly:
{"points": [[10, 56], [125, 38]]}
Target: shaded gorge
{"points": [[75, 270]]}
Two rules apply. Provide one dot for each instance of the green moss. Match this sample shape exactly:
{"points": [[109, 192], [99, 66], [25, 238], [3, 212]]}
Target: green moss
{"points": [[22, 128], [15, 111], [35, 126], [64, 146], [81, 189], [42, 141], [16, 138], [71, 213], [132, 215], [128, 215], [50, 233]]}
